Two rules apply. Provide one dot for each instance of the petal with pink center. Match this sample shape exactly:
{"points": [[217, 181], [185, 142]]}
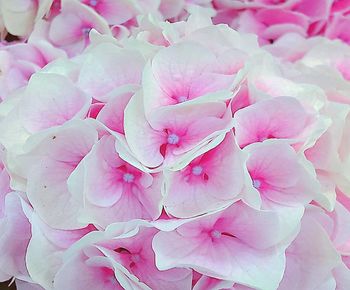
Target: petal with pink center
{"points": [[127, 247], [65, 29], [174, 70], [238, 244], [103, 182], [280, 117], [82, 272], [114, 190], [278, 174], [187, 126], [143, 267], [209, 182], [144, 142], [70, 28]]}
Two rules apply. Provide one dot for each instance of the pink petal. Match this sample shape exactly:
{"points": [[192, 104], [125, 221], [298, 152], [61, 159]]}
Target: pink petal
{"points": [[211, 181], [280, 117], [51, 158], [51, 100], [108, 67]]}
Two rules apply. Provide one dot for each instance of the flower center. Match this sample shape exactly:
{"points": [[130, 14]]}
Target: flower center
{"points": [[135, 258], [197, 170], [215, 234], [256, 183], [128, 177], [93, 2], [85, 31], [173, 139], [182, 99]]}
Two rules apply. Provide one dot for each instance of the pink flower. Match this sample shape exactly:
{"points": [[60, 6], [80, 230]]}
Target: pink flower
{"points": [[276, 118], [138, 153], [118, 261], [70, 29], [181, 73], [278, 175], [210, 181], [174, 132], [113, 190], [272, 19], [234, 244]]}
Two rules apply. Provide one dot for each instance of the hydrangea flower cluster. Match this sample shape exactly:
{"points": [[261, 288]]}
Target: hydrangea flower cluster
{"points": [[149, 145]]}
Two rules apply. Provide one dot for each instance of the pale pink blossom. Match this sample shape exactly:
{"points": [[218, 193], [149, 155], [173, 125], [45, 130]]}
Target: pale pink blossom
{"points": [[276, 118], [278, 174], [144, 147], [112, 189], [210, 181], [70, 29], [239, 243], [119, 258], [174, 131]]}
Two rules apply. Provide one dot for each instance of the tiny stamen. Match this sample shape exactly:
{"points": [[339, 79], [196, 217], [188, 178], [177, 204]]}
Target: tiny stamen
{"points": [[256, 183], [128, 177], [135, 258], [215, 234], [197, 170], [85, 31], [182, 99], [173, 139]]}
